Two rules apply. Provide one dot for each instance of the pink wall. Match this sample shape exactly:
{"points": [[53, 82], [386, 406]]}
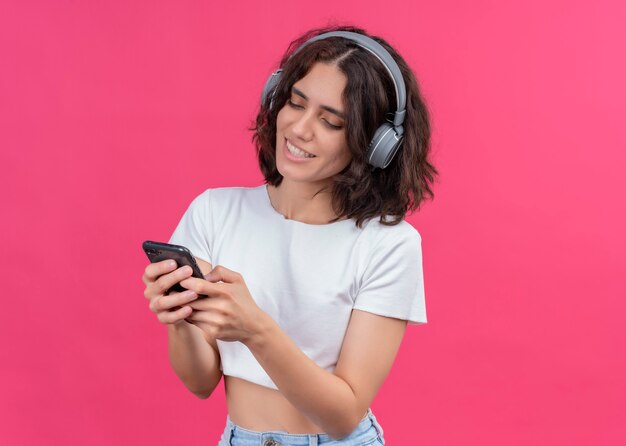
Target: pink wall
{"points": [[114, 115]]}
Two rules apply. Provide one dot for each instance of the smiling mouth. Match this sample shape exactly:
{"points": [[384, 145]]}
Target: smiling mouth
{"points": [[295, 151]]}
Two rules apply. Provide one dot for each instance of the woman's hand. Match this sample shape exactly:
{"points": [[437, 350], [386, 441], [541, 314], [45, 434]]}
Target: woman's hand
{"points": [[229, 313], [159, 277]]}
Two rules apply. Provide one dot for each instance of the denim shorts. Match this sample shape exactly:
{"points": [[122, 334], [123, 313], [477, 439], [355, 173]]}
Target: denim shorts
{"points": [[367, 433]]}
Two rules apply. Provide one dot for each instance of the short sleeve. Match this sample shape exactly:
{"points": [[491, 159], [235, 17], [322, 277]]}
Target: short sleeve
{"points": [[194, 229], [393, 280]]}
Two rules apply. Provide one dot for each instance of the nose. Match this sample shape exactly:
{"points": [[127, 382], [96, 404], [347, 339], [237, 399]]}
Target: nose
{"points": [[302, 127]]}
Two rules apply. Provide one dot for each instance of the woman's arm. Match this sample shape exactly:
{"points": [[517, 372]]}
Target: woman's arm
{"points": [[193, 354], [334, 401], [194, 358]]}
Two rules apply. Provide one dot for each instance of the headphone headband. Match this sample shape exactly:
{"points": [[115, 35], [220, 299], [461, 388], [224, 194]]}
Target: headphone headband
{"points": [[381, 54]]}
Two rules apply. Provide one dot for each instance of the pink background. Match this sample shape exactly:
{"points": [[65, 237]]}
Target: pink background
{"points": [[115, 115]]}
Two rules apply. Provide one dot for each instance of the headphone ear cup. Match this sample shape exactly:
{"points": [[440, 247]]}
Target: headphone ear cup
{"points": [[270, 86], [384, 145]]}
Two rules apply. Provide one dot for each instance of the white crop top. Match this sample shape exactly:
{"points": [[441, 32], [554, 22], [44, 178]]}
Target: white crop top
{"points": [[308, 278]]}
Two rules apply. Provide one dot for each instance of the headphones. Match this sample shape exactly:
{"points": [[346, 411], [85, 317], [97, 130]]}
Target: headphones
{"points": [[388, 137]]}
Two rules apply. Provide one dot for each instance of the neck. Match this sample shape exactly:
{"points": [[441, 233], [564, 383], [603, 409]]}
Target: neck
{"points": [[298, 201]]}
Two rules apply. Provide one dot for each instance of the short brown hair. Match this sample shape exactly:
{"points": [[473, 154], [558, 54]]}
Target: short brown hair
{"points": [[359, 192]]}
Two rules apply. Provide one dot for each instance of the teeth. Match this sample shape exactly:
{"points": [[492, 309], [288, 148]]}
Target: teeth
{"points": [[297, 152]]}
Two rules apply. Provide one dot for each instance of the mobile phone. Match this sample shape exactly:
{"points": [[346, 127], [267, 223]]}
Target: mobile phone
{"points": [[158, 251]]}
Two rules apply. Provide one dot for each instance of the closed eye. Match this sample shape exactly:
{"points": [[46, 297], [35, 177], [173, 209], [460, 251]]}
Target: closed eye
{"points": [[328, 124], [332, 126], [293, 104]]}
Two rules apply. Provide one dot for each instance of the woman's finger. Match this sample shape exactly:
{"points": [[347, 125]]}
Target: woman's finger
{"points": [[170, 301], [170, 317], [166, 281], [223, 274], [154, 270]]}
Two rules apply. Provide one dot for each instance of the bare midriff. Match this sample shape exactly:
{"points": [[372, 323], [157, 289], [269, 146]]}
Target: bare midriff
{"points": [[260, 408]]}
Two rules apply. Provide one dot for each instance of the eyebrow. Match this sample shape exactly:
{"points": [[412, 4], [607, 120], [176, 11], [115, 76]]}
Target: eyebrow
{"points": [[323, 107]]}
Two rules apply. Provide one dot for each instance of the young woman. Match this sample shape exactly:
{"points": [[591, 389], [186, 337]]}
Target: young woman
{"points": [[312, 277]]}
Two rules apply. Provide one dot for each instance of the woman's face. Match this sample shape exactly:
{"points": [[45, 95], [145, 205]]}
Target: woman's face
{"points": [[313, 120]]}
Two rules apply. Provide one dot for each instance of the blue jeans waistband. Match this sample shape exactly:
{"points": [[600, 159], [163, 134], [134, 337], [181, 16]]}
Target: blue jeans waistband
{"points": [[365, 433]]}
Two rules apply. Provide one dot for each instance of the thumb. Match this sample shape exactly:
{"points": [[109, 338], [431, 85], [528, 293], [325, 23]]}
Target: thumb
{"points": [[222, 274]]}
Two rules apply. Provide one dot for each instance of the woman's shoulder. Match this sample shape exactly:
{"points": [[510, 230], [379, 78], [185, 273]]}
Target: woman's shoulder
{"points": [[224, 201], [391, 246], [228, 193], [400, 231]]}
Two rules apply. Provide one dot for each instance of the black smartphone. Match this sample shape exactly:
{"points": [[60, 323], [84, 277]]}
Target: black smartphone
{"points": [[157, 252]]}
